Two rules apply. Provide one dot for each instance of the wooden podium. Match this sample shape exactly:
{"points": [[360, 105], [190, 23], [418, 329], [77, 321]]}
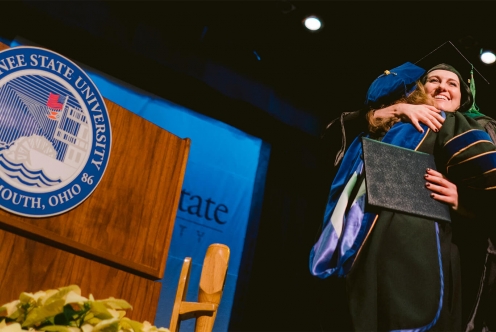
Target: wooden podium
{"points": [[116, 242]]}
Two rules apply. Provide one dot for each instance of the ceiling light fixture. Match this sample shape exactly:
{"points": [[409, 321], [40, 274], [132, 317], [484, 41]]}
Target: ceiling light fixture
{"points": [[312, 23], [487, 56]]}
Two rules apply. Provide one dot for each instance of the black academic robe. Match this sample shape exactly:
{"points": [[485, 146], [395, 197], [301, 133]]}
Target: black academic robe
{"points": [[407, 274]]}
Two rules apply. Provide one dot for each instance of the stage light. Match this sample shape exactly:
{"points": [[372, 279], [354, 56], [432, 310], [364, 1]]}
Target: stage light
{"points": [[312, 23], [487, 57]]}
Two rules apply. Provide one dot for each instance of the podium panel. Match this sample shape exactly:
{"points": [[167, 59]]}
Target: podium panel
{"points": [[114, 243], [30, 266]]}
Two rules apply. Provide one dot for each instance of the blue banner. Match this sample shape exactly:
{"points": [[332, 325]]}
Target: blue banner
{"points": [[216, 195]]}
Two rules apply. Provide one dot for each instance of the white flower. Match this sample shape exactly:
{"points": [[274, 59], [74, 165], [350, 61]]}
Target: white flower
{"points": [[10, 307], [15, 327], [114, 313], [105, 324], [73, 297], [147, 327], [87, 328], [40, 295], [98, 315], [43, 296]]}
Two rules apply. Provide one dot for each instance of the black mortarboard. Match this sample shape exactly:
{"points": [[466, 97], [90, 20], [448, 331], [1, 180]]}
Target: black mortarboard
{"points": [[398, 82], [449, 57], [448, 53]]}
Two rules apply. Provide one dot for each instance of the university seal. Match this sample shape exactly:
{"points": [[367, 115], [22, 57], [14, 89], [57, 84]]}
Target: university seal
{"points": [[55, 134]]}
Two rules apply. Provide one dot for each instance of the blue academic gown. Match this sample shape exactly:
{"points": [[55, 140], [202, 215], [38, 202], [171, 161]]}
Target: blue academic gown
{"points": [[402, 271]]}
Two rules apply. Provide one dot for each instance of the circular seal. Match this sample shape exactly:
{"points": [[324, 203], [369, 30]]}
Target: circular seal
{"points": [[55, 134]]}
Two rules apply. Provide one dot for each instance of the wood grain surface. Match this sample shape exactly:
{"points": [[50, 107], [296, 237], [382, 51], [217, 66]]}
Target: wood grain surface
{"points": [[116, 242], [130, 216], [30, 266]]}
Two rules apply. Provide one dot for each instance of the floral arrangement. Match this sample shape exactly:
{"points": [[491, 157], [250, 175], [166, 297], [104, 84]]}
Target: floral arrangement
{"points": [[65, 310]]}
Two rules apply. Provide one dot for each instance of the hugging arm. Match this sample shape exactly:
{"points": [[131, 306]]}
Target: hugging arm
{"points": [[415, 114]]}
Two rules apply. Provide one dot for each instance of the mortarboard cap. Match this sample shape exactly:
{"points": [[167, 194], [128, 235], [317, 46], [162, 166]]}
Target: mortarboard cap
{"points": [[393, 84], [448, 53], [448, 57], [398, 82]]}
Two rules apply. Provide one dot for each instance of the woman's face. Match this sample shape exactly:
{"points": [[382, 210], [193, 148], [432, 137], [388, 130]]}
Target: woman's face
{"points": [[443, 87]]}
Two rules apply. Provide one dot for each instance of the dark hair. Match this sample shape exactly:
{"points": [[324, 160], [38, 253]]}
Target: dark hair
{"points": [[467, 99]]}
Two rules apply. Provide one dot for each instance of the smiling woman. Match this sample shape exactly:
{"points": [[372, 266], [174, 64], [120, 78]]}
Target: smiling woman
{"points": [[444, 88], [444, 84]]}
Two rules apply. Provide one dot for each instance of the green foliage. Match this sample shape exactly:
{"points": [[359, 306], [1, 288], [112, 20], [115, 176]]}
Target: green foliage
{"points": [[65, 310]]}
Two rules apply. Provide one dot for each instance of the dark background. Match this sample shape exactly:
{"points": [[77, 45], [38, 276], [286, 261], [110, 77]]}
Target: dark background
{"points": [[252, 65]]}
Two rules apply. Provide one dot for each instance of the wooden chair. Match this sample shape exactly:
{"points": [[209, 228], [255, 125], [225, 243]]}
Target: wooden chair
{"points": [[212, 282]]}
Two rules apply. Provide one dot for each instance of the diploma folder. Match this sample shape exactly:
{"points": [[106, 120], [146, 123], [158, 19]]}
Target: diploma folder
{"points": [[394, 178]]}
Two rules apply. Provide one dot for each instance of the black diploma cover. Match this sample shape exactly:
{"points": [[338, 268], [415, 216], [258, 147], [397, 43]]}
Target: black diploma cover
{"points": [[395, 180]]}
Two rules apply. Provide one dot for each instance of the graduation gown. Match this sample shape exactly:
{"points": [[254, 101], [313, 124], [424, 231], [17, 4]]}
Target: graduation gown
{"points": [[403, 271]]}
